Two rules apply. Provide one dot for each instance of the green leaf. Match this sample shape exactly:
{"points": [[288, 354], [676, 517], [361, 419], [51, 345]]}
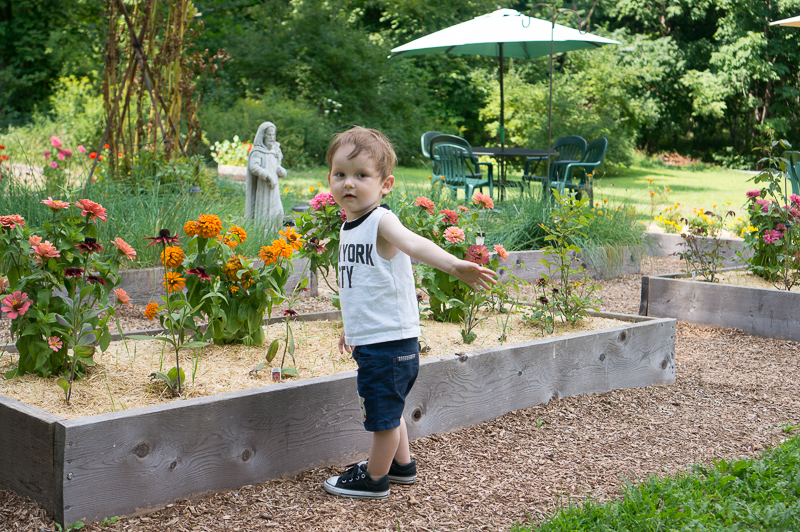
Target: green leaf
{"points": [[63, 384], [195, 345], [289, 371], [272, 350]]}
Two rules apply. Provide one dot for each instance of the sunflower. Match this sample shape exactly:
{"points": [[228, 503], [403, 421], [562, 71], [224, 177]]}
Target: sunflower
{"points": [[208, 225], [151, 311], [173, 282], [190, 228], [172, 256], [293, 238]]}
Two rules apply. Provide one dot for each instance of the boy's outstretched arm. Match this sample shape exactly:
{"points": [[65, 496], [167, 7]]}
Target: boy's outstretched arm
{"points": [[423, 250]]}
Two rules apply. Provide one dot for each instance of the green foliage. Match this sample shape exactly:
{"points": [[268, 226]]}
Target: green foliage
{"points": [[745, 494], [231, 152]]}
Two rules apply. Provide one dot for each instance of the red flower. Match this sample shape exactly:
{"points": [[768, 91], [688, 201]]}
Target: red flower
{"points": [[73, 272], [89, 245], [93, 155], [91, 209], [200, 272], [163, 238], [477, 254]]}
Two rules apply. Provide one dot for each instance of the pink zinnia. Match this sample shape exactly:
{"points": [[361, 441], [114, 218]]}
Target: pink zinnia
{"points": [[46, 250], [53, 165], [61, 156], [424, 203], [124, 248], [11, 221], [477, 254], [462, 208], [66, 151], [772, 236], [55, 141], [81, 149], [122, 297], [483, 201], [321, 200], [91, 210], [16, 304], [46, 154], [54, 342], [753, 194], [449, 216], [501, 251], [34, 240], [454, 234], [343, 216], [56, 205]]}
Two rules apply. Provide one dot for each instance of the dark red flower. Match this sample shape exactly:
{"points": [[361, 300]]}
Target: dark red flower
{"points": [[543, 300], [73, 272], [290, 312], [94, 279], [89, 245], [163, 238], [200, 271]]}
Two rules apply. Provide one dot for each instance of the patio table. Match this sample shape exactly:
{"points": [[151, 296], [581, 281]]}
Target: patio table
{"points": [[504, 152]]}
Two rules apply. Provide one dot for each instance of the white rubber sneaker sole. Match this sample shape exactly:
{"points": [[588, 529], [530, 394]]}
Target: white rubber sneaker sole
{"points": [[330, 486]]}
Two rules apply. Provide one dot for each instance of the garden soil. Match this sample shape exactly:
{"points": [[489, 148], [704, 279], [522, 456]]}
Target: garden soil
{"points": [[733, 396]]}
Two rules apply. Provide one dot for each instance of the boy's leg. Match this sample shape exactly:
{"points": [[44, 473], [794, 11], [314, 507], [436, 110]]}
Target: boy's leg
{"points": [[384, 447], [403, 454]]}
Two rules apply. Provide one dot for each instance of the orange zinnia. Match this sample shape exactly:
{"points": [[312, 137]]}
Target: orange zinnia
{"points": [[172, 257], [283, 248], [293, 238], [190, 228], [268, 254], [151, 311], [208, 225], [173, 282], [238, 232], [233, 266]]}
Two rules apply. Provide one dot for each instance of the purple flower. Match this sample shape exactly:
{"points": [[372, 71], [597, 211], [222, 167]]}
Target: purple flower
{"points": [[753, 194]]}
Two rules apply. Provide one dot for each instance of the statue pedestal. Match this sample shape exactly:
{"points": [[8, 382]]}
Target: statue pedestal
{"points": [[237, 173]]}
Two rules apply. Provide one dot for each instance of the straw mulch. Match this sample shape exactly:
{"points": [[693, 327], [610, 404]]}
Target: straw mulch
{"points": [[733, 395]]}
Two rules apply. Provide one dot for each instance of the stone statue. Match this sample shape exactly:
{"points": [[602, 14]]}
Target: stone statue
{"points": [[263, 193]]}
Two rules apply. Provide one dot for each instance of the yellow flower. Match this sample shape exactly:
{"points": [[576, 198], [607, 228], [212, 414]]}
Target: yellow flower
{"points": [[605, 200], [208, 225], [151, 310], [190, 228], [292, 238], [233, 266], [172, 257], [311, 189], [173, 282]]}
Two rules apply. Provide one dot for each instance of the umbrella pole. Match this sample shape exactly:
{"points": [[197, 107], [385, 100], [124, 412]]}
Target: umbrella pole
{"points": [[501, 161]]}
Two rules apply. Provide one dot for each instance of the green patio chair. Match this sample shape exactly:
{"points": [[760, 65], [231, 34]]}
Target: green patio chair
{"points": [[455, 163], [570, 149], [576, 175]]}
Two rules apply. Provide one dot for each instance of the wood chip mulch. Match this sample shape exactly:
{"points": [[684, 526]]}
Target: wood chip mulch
{"points": [[733, 395]]}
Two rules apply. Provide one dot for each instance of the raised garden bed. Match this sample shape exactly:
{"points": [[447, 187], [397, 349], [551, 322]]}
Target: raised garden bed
{"points": [[670, 244], [137, 460], [758, 311]]}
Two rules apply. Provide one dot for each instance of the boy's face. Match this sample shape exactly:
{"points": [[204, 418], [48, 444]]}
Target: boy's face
{"points": [[356, 184]]}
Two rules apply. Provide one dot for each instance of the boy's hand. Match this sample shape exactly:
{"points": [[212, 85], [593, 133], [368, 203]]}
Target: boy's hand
{"points": [[343, 346], [474, 275]]}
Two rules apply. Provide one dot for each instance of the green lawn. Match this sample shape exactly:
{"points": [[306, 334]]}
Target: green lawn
{"points": [[696, 186]]}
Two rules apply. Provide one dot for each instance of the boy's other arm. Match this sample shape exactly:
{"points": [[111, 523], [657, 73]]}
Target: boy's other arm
{"points": [[423, 250]]}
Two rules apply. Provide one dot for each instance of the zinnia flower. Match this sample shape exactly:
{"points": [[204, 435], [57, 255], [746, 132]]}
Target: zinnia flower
{"points": [[172, 256], [200, 271], [162, 238], [34, 240], [73, 272], [233, 266], [89, 245], [501, 251], [151, 310], [454, 234], [55, 141], [343, 216], [462, 208], [477, 254], [54, 342], [56, 205], [46, 250], [208, 225], [93, 155], [753, 194], [124, 248], [91, 209], [483, 201], [239, 233], [11, 221], [292, 238], [283, 248], [425, 203], [173, 282], [53, 165], [16, 304], [450, 217], [95, 279], [61, 156], [268, 254], [81, 149], [190, 228], [122, 297], [322, 199], [46, 154]]}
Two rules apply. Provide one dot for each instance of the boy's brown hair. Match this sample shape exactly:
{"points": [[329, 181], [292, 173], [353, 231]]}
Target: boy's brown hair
{"points": [[371, 141]]}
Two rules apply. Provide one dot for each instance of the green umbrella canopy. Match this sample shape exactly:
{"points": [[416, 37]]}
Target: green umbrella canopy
{"points": [[503, 33], [794, 21]]}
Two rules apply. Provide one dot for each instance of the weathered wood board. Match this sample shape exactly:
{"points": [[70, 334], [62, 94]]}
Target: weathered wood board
{"points": [[757, 311], [137, 460], [670, 244]]}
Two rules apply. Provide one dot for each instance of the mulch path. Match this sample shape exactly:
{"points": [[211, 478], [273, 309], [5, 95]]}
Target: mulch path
{"points": [[733, 395]]}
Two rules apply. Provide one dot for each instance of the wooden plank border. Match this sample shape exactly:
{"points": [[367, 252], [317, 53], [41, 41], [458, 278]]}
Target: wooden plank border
{"points": [[138, 460], [757, 311], [670, 244]]}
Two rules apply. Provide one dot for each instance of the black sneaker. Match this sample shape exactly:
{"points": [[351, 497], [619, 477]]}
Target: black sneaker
{"points": [[400, 474], [403, 474], [356, 483]]}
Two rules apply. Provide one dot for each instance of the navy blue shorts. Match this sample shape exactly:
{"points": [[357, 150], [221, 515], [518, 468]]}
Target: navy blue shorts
{"points": [[386, 373]]}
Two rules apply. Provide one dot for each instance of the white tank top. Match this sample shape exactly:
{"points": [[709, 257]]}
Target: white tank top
{"points": [[378, 296]]}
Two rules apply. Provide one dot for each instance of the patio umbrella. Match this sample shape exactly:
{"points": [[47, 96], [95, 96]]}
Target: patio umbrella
{"points": [[503, 33], [794, 21]]}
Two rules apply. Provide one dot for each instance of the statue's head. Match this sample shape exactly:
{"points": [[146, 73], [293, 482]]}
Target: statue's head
{"points": [[265, 135]]}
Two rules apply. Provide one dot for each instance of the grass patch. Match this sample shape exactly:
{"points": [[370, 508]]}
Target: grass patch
{"points": [[748, 494]]}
